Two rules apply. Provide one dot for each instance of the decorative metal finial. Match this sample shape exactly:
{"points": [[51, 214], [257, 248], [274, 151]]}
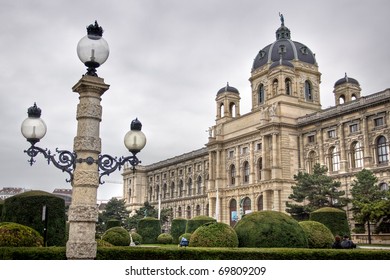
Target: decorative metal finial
{"points": [[136, 125], [34, 111], [95, 29]]}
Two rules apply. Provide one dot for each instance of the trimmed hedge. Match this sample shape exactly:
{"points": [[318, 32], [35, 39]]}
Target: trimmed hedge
{"points": [[117, 236], [214, 235], [270, 229], [191, 253], [137, 239], [334, 219], [196, 222], [149, 228], [16, 235], [26, 209], [178, 227], [318, 235], [166, 253]]}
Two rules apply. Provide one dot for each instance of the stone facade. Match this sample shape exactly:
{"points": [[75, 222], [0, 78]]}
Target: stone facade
{"points": [[249, 161]]}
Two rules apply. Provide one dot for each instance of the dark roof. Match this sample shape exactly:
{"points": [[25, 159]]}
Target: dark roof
{"points": [[283, 47], [345, 80], [228, 88]]}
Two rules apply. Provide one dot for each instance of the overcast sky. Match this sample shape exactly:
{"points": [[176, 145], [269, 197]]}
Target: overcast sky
{"points": [[167, 61]]}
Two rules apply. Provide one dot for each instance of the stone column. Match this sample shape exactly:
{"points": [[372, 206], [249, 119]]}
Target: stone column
{"points": [[83, 211]]}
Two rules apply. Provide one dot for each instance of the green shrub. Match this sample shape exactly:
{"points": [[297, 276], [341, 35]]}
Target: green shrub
{"points": [[196, 222], [1, 208], [178, 227], [149, 228], [16, 235], [318, 235], [137, 239], [117, 236], [113, 223], [333, 218], [26, 209], [214, 235], [103, 243], [186, 236], [270, 229], [164, 238]]}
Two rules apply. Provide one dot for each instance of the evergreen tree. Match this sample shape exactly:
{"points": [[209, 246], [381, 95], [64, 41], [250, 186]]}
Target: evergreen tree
{"points": [[115, 209], [314, 191], [369, 202]]}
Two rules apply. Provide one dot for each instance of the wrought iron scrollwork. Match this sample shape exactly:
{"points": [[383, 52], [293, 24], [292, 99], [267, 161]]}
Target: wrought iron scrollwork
{"points": [[66, 159], [108, 164]]}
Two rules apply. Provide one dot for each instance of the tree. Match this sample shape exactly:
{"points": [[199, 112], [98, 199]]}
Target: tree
{"points": [[369, 202], [314, 191], [115, 209]]}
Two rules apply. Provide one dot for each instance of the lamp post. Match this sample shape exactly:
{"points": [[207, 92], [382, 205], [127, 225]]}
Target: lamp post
{"points": [[85, 165]]}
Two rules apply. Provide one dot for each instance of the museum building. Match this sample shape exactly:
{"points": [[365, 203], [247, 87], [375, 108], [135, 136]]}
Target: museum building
{"points": [[249, 161]]}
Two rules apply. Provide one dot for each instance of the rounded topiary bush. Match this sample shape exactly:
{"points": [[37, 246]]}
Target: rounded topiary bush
{"points": [[196, 222], [137, 239], [318, 235], [164, 238], [178, 227], [26, 209], [270, 229], [117, 236], [214, 235], [334, 219], [16, 235], [149, 228]]}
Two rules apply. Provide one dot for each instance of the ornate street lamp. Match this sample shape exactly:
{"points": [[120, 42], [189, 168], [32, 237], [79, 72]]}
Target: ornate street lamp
{"points": [[85, 165]]}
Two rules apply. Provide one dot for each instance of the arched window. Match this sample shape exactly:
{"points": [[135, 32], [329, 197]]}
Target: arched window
{"points": [[259, 167], [232, 109], [189, 212], [311, 161], [199, 184], [189, 187], [357, 155], [172, 189], [260, 203], [275, 86], [207, 209], [165, 191], [353, 97], [382, 150], [383, 186], [334, 159], [150, 193], [287, 85], [233, 212], [198, 210], [179, 212], [308, 91], [261, 94], [181, 188], [232, 175], [246, 205], [341, 99], [222, 110], [246, 172], [157, 192]]}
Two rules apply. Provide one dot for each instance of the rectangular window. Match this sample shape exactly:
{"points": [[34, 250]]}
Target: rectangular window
{"points": [[310, 139], [378, 121], [258, 146], [353, 128], [332, 133], [245, 150], [231, 154]]}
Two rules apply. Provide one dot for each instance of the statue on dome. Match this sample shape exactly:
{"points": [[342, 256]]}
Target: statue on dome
{"points": [[281, 18]]}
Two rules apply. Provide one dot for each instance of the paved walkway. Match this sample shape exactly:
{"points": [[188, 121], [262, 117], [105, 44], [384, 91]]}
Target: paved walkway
{"points": [[373, 247]]}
